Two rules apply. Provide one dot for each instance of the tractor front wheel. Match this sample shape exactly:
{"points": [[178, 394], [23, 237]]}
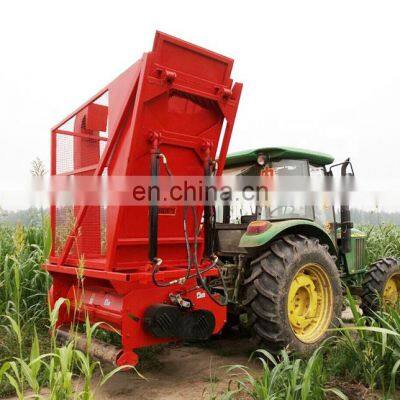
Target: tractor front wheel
{"points": [[381, 285], [293, 295]]}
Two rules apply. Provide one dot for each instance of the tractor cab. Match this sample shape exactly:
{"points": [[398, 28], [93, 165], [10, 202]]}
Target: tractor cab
{"points": [[251, 218], [287, 163], [255, 196]]}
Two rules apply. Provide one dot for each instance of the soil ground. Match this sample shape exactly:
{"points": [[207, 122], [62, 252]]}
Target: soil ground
{"points": [[180, 372], [192, 372]]}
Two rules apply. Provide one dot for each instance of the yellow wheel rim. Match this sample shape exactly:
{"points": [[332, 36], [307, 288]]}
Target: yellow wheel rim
{"points": [[391, 290], [310, 303]]}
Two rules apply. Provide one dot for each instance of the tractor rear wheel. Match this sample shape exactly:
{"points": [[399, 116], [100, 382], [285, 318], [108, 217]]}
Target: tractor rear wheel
{"points": [[293, 295], [381, 285]]}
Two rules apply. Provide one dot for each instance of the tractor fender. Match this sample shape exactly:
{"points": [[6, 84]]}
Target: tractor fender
{"points": [[278, 229]]}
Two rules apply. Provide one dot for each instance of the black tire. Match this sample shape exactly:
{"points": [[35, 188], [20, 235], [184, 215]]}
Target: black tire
{"points": [[374, 283], [266, 291]]}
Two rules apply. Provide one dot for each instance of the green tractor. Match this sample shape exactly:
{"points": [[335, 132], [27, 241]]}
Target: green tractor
{"points": [[283, 265]]}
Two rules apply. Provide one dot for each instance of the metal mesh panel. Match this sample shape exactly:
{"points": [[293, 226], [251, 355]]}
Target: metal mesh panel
{"points": [[74, 153], [80, 143], [65, 221], [64, 154], [88, 240], [103, 229], [103, 219]]}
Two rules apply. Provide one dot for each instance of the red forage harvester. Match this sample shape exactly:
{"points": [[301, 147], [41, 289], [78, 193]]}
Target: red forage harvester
{"points": [[127, 265]]}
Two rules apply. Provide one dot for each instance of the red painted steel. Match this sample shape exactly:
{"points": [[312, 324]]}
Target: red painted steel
{"points": [[174, 99]]}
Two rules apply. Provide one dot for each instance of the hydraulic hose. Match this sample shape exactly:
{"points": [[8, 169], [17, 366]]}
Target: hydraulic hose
{"points": [[153, 214], [191, 258], [208, 215], [199, 273]]}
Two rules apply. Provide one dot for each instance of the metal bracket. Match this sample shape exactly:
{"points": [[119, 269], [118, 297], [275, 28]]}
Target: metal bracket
{"points": [[177, 299]]}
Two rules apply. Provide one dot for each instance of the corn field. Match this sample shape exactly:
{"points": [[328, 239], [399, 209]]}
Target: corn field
{"points": [[31, 361], [33, 364], [382, 241]]}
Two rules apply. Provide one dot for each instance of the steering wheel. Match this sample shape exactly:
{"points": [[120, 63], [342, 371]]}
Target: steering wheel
{"points": [[285, 210]]}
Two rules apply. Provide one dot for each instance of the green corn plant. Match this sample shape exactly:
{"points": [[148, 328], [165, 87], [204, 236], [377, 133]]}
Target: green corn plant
{"points": [[23, 284], [369, 350], [69, 359], [59, 369], [20, 372], [382, 241], [282, 378], [23, 289]]}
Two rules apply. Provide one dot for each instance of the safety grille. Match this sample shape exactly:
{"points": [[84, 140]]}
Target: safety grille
{"points": [[77, 155], [78, 147]]}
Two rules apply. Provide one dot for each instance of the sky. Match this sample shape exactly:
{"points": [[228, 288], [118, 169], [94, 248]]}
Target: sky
{"points": [[322, 75]]}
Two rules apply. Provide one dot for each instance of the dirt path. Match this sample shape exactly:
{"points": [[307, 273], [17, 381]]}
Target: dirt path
{"points": [[180, 373]]}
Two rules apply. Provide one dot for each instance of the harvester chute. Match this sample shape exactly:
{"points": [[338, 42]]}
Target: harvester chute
{"points": [[177, 103]]}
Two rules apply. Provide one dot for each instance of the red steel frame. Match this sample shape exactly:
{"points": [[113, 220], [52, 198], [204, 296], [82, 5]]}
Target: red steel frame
{"points": [[174, 99]]}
